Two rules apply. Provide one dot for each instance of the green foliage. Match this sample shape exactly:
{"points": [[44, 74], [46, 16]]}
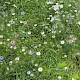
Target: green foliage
{"points": [[39, 39]]}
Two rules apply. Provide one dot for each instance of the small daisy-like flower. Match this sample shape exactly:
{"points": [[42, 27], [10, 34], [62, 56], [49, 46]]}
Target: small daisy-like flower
{"points": [[34, 69], [8, 68], [78, 54], [1, 36], [35, 64], [74, 39], [12, 43], [65, 68], [24, 22], [42, 33], [38, 53], [50, 15], [35, 25], [69, 5], [35, 47], [73, 79], [29, 32], [24, 52], [28, 72], [65, 56], [59, 77], [14, 5], [10, 63], [45, 42], [21, 21], [8, 24], [49, 2], [62, 42], [16, 35], [11, 46], [78, 23], [56, 7], [23, 49], [52, 19], [61, 6], [39, 45], [15, 47], [17, 59], [40, 69], [8, 39], [13, 14], [1, 57], [22, 13], [31, 74], [30, 52], [53, 36], [1, 42]]}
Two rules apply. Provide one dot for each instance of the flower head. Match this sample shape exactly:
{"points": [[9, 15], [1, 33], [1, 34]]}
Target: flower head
{"points": [[1, 36], [1, 57], [12, 43], [74, 39], [40, 69]]}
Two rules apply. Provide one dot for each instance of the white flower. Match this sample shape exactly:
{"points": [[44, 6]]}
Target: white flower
{"points": [[30, 52], [17, 59], [14, 5], [34, 69], [62, 42], [78, 54], [65, 68], [53, 36], [69, 5], [50, 15], [38, 53], [24, 22], [21, 21], [0, 42], [8, 39], [56, 7], [42, 33], [35, 64], [11, 21], [1, 36], [15, 47], [65, 56], [29, 72], [22, 13], [8, 24], [10, 63], [23, 50], [59, 77], [29, 32], [35, 25], [75, 10], [39, 45], [13, 14], [52, 19], [11, 46], [8, 68], [61, 6], [40, 69], [49, 2], [45, 42], [78, 23], [35, 47], [73, 79]]}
